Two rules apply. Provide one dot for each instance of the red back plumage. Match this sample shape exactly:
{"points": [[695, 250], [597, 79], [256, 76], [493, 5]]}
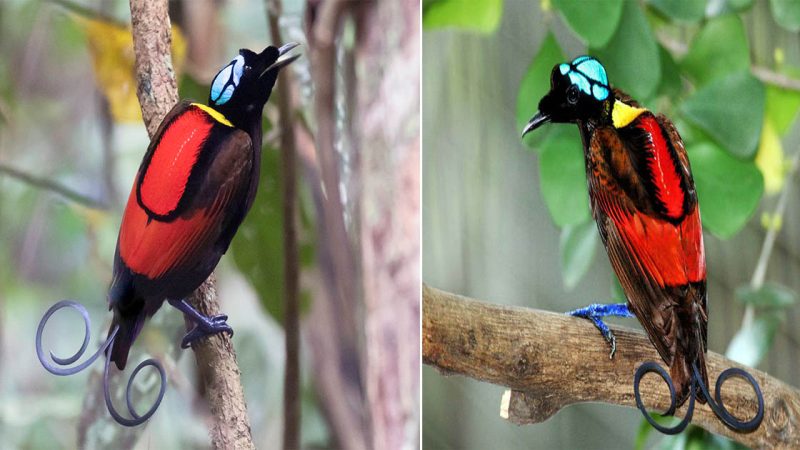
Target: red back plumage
{"points": [[168, 170]]}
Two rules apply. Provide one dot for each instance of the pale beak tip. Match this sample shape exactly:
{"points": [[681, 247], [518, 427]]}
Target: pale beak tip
{"points": [[287, 47], [535, 123]]}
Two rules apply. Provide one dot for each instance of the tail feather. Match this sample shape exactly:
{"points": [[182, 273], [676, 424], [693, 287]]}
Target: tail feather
{"points": [[129, 329], [682, 375]]}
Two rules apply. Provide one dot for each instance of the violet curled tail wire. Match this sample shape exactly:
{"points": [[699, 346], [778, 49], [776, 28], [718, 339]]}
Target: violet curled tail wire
{"points": [[719, 407], [137, 419], [652, 366], [697, 382], [56, 367]]}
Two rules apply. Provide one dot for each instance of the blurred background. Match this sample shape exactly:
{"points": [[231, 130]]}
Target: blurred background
{"points": [[71, 139], [508, 222]]}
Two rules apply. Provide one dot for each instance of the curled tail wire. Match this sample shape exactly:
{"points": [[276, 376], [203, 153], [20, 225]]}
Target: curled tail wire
{"points": [[56, 365], [697, 382]]}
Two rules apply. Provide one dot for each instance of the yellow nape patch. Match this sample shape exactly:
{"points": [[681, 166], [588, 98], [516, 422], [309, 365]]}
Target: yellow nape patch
{"points": [[623, 114], [214, 113]]}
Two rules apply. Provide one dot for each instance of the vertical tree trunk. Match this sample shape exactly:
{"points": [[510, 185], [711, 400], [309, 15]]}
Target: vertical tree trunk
{"points": [[387, 134], [333, 326]]}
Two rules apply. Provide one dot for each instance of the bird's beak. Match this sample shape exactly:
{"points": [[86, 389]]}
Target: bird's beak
{"points": [[537, 120], [282, 62]]}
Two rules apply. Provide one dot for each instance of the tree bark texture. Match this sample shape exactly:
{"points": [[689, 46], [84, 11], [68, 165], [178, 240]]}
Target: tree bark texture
{"points": [[552, 360], [387, 136]]}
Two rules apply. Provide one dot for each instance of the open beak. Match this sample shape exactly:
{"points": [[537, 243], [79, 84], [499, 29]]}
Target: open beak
{"points": [[283, 61], [535, 123]]}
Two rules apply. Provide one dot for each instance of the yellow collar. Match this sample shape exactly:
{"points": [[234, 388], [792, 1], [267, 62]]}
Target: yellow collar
{"points": [[214, 113], [622, 114]]}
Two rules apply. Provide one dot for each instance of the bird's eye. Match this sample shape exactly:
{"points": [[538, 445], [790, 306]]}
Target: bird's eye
{"points": [[572, 95]]}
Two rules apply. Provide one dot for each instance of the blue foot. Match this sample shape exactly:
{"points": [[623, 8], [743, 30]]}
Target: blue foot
{"points": [[596, 311], [204, 326]]}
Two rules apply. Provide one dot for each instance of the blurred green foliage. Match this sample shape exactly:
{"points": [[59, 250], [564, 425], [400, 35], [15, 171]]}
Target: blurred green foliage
{"points": [[535, 85], [633, 41], [726, 205], [482, 16], [582, 19], [578, 244], [258, 248], [731, 111]]}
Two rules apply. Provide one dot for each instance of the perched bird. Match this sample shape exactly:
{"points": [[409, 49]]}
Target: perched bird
{"points": [[194, 187], [644, 202]]}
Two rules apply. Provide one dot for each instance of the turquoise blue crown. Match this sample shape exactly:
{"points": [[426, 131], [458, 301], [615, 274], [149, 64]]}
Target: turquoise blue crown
{"points": [[588, 75]]}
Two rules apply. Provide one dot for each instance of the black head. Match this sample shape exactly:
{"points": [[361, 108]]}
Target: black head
{"points": [[240, 89], [579, 91]]}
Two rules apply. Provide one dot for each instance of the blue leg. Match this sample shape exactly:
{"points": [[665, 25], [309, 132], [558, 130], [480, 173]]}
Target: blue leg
{"points": [[204, 326], [595, 312]]}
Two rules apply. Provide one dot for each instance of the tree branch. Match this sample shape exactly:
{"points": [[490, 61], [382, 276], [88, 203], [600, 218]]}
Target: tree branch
{"points": [[764, 74], [330, 332], [552, 360], [216, 360], [52, 186], [291, 326], [333, 324]]}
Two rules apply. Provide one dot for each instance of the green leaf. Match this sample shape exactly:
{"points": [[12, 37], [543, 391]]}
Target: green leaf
{"points": [[645, 428], [752, 342], [770, 295], [739, 5], [482, 16], [673, 442], [631, 56], [617, 293], [697, 439], [258, 245], [731, 111], [562, 176], [725, 205], [535, 84], [717, 442], [781, 107], [690, 133], [190, 88], [578, 244], [680, 10], [786, 13], [594, 22], [719, 49]]}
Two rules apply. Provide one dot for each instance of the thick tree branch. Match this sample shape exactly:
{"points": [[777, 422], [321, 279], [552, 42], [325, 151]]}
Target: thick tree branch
{"points": [[552, 360], [156, 86], [216, 360]]}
